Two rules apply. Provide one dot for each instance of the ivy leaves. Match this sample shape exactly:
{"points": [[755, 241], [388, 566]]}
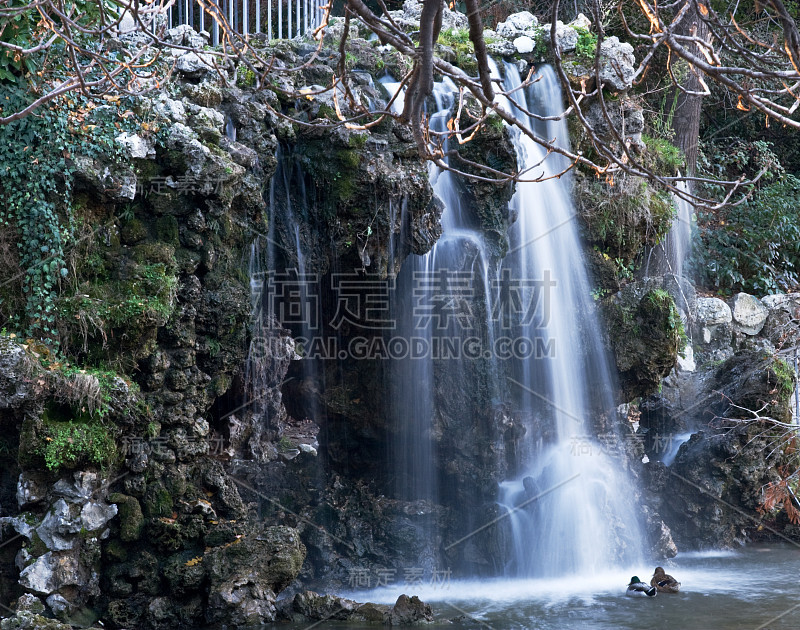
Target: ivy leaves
{"points": [[35, 180]]}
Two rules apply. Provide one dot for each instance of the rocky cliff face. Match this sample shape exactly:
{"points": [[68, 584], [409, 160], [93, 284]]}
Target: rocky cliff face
{"points": [[211, 468], [166, 490], [715, 432]]}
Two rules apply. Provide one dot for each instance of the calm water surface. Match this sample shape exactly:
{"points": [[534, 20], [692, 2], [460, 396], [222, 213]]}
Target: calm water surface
{"points": [[757, 588]]}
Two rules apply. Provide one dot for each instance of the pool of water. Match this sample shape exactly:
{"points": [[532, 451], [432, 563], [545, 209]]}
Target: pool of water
{"points": [[757, 588]]}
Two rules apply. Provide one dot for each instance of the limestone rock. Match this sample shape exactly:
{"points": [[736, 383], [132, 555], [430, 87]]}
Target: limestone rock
{"points": [[246, 574], [136, 146], [524, 44], [56, 527], [30, 603], [185, 35], [501, 48], [31, 489], [115, 180], [712, 312], [308, 606], [713, 328], [782, 327], [617, 64], [58, 604], [52, 571], [409, 17], [242, 601], [517, 24], [664, 546], [96, 515], [80, 490], [13, 369], [626, 118], [195, 65], [171, 109], [748, 313]]}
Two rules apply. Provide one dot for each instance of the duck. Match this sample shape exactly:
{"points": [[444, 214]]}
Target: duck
{"points": [[664, 583], [637, 588]]}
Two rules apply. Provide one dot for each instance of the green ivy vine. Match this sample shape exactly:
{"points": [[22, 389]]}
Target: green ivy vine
{"points": [[36, 182]]}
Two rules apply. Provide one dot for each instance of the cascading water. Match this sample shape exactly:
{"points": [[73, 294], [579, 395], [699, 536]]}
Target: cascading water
{"points": [[435, 292], [278, 274], [679, 238], [670, 255], [574, 511]]}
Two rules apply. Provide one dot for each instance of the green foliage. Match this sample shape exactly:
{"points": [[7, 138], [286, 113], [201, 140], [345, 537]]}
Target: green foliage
{"points": [[245, 77], [753, 246], [26, 29], [36, 180], [34, 177], [621, 220], [110, 384], [146, 297], [785, 374], [458, 39], [587, 44], [69, 444], [663, 156], [285, 445], [19, 31]]}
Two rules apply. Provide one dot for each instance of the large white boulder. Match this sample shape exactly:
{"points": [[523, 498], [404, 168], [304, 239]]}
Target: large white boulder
{"points": [[749, 313]]}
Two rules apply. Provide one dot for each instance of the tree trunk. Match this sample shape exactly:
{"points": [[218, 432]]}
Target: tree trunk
{"points": [[685, 108]]}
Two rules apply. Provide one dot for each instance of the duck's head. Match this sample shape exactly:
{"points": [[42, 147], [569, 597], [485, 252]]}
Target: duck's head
{"points": [[634, 580], [659, 570]]}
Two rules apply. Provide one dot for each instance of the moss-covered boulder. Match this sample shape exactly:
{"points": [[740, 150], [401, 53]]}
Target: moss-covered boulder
{"points": [[246, 575], [645, 333]]}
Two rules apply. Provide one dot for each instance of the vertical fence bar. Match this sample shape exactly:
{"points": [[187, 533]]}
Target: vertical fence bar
{"points": [[245, 18], [288, 19], [297, 20], [202, 12], [230, 15], [280, 19], [258, 16], [269, 19], [215, 24]]}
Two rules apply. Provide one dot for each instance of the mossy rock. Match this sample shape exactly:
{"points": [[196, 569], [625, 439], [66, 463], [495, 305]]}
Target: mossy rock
{"points": [[167, 230], [132, 232], [165, 534], [157, 501], [156, 252], [758, 381], [623, 218], [185, 573], [645, 333], [130, 516], [276, 554], [487, 202]]}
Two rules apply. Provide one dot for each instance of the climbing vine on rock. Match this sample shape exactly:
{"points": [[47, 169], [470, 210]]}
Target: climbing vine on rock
{"points": [[36, 181]]}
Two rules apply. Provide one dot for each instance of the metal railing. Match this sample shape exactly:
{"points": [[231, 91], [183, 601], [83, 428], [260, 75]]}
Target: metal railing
{"points": [[277, 19]]}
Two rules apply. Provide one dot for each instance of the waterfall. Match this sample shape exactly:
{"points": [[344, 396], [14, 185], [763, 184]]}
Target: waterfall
{"points": [[670, 255], [282, 290], [434, 312], [570, 506], [679, 238]]}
